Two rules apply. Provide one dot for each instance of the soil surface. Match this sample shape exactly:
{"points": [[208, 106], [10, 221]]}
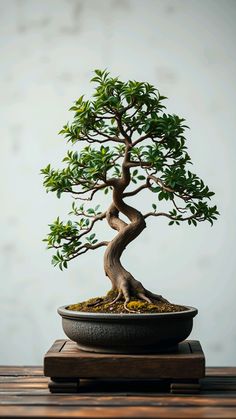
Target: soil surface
{"points": [[104, 305]]}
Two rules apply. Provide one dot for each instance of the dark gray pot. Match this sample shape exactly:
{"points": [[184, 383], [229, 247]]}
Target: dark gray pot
{"points": [[127, 333]]}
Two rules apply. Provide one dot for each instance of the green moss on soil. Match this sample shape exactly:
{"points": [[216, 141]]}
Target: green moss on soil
{"points": [[102, 305]]}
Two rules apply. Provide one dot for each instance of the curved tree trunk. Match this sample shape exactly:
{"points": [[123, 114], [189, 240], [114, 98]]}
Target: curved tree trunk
{"points": [[122, 280]]}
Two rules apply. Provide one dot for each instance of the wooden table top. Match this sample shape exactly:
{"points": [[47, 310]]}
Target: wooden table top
{"points": [[24, 393]]}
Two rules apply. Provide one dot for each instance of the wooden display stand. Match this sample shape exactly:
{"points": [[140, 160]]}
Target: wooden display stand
{"points": [[66, 364]]}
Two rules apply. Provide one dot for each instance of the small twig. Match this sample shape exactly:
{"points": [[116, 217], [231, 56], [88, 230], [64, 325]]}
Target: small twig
{"points": [[94, 190], [182, 210], [135, 191]]}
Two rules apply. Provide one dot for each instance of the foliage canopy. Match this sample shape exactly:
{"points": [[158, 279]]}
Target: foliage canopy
{"points": [[126, 132]]}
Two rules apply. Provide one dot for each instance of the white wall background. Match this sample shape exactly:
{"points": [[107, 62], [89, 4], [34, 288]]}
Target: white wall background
{"points": [[48, 51]]}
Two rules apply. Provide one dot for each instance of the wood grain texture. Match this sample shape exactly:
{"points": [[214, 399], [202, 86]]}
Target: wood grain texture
{"points": [[70, 361], [117, 400], [118, 412], [15, 370], [27, 396]]}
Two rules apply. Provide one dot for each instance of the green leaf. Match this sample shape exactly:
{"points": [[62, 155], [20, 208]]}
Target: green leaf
{"points": [[161, 196], [90, 211]]}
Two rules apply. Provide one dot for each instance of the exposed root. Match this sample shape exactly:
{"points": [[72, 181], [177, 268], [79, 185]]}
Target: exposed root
{"points": [[131, 288], [137, 302], [118, 297], [125, 291], [96, 303], [144, 297], [128, 309], [124, 294], [156, 297]]}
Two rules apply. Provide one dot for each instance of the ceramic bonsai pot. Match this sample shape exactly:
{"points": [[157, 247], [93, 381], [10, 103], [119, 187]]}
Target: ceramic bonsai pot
{"points": [[127, 333]]}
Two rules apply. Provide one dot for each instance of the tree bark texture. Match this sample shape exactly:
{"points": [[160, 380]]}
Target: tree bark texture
{"points": [[122, 280]]}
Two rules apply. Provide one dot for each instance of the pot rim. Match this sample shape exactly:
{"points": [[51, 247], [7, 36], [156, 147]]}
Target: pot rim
{"points": [[71, 314]]}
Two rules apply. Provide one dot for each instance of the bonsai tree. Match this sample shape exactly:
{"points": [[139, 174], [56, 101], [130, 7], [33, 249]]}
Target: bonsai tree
{"points": [[127, 138]]}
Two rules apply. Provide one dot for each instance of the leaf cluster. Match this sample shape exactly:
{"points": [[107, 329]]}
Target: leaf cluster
{"points": [[84, 169], [67, 238], [138, 102]]}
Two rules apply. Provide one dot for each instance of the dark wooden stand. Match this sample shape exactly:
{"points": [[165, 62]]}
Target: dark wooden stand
{"points": [[179, 371]]}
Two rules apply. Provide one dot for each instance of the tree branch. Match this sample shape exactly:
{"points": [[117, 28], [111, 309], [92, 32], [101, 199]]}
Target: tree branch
{"points": [[94, 190], [183, 210], [135, 191], [138, 164], [98, 217], [161, 183], [118, 118], [100, 117], [184, 196], [108, 137], [136, 111], [91, 140], [144, 137], [171, 217], [83, 249]]}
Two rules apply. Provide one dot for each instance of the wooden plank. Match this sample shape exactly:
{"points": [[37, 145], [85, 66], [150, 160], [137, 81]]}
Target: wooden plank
{"points": [[34, 372], [23, 382], [32, 383], [23, 379], [113, 406], [72, 362], [108, 368], [58, 345], [117, 412], [24, 392], [78, 400], [12, 370], [221, 371]]}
